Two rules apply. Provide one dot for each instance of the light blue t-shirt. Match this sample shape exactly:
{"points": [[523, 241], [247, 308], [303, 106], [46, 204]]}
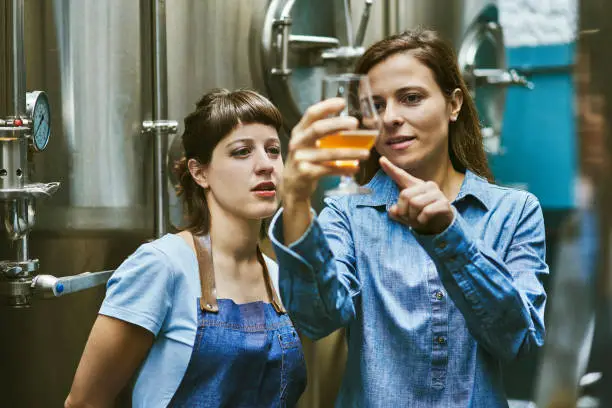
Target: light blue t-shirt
{"points": [[156, 288]]}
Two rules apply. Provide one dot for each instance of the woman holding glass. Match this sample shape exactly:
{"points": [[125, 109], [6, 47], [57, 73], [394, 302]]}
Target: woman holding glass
{"points": [[437, 273]]}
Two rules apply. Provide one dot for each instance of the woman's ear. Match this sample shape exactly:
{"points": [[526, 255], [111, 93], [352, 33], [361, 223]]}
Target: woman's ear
{"points": [[456, 102], [199, 172]]}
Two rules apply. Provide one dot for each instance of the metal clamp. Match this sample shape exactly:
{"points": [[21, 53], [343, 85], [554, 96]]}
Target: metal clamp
{"points": [[500, 77], [282, 28], [163, 126], [12, 269], [328, 47], [30, 190], [16, 123], [312, 42], [343, 55]]}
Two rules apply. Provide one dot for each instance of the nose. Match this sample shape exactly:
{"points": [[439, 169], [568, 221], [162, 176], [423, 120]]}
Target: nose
{"points": [[263, 163], [391, 116]]}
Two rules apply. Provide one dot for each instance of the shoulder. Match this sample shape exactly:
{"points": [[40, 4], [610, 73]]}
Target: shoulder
{"points": [[497, 197], [162, 256], [169, 246], [513, 198]]}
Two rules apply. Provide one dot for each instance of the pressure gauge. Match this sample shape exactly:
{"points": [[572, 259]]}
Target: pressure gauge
{"points": [[37, 107]]}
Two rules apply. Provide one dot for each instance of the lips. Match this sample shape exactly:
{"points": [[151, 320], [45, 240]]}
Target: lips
{"points": [[399, 139], [400, 142], [265, 186], [266, 190]]}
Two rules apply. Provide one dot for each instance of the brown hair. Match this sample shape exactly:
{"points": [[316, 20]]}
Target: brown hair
{"points": [[217, 113], [465, 144]]}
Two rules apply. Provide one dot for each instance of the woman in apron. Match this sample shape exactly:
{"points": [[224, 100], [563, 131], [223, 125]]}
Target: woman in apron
{"points": [[196, 316]]}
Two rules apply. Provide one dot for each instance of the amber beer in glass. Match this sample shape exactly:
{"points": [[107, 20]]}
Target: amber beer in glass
{"points": [[355, 90], [349, 139]]}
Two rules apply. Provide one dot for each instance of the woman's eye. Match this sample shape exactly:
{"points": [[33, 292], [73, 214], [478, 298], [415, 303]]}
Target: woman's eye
{"points": [[379, 106], [275, 150], [241, 152], [411, 98]]}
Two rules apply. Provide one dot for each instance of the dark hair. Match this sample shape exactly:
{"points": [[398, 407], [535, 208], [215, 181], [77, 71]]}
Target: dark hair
{"points": [[216, 115], [465, 144]]}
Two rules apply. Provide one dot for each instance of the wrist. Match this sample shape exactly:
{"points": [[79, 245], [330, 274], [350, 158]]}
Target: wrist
{"points": [[291, 202]]}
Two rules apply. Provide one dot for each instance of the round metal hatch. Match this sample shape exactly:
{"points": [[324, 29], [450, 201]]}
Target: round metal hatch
{"points": [[482, 58], [302, 41]]}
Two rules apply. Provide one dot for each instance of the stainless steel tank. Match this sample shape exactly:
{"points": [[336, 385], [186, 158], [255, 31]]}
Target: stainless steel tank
{"points": [[86, 55]]}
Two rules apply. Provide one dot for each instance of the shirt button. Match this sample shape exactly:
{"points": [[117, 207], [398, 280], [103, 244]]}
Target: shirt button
{"points": [[442, 244], [440, 340], [439, 295]]}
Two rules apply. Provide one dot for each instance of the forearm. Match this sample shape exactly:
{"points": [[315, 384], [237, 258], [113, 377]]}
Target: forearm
{"points": [[114, 351], [498, 315], [317, 289], [309, 308], [502, 303]]}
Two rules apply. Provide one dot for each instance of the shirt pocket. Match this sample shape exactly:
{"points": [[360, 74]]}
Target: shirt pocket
{"points": [[293, 367]]}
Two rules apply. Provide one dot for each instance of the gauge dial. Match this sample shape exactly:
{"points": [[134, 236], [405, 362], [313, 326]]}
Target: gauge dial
{"points": [[38, 109]]}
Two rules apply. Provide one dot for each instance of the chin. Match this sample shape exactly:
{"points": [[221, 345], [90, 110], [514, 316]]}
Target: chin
{"points": [[402, 160], [260, 211]]}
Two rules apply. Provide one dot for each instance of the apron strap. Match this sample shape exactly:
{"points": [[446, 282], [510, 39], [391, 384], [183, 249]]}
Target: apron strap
{"points": [[276, 303], [208, 299]]}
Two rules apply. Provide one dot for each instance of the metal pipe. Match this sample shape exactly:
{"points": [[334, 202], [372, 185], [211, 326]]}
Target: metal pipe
{"points": [[12, 70], [160, 112], [13, 156], [363, 24]]}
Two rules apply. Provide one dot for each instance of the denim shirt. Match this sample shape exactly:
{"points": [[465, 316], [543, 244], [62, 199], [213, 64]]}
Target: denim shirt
{"points": [[429, 318]]}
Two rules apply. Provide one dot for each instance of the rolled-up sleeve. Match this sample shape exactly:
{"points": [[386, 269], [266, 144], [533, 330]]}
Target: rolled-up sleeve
{"points": [[317, 273], [501, 298]]}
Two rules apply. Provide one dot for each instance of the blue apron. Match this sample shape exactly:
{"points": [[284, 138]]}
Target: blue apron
{"points": [[244, 355]]}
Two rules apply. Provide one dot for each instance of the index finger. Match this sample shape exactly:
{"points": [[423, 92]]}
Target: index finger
{"points": [[320, 110], [401, 177], [321, 128]]}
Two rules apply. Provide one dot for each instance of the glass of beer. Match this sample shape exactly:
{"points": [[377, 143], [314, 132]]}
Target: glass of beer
{"points": [[355, 90]]}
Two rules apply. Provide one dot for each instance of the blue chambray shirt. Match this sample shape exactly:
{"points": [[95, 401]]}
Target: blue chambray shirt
{"points": [[429, 318]]}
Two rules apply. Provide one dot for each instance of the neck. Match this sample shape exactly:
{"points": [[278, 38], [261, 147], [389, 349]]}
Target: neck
{"points": [[446, 177], [234, 237]]}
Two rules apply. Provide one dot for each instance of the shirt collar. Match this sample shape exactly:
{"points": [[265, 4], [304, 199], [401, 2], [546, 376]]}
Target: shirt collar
{"points": [[385, 191]]}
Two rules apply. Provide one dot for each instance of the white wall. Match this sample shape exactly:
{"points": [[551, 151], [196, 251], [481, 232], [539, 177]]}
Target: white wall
{"points": [[538, 22]]}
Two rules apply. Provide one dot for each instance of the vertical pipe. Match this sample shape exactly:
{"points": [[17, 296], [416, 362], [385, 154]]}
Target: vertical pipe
{"points": [[160, 112], [19, 85], [13, 149], [12, 60]]}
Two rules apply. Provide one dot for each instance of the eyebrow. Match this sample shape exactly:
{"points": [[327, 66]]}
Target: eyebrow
{"points": [[404, 89], [250, 140]]}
